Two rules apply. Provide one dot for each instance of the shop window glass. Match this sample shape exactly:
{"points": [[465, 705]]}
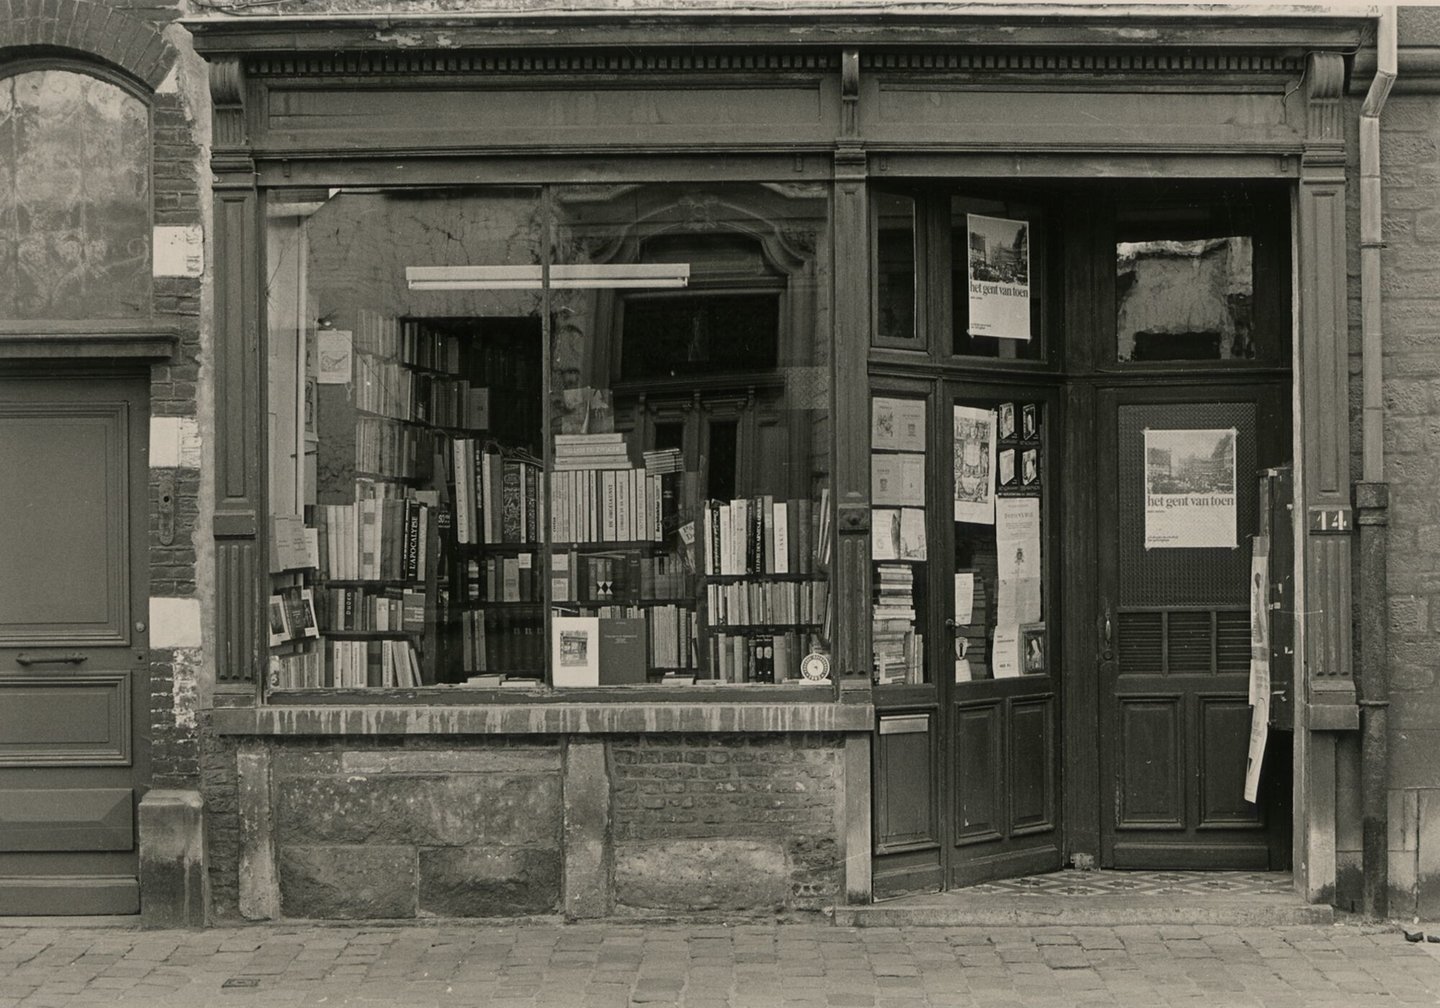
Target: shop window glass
{"points": [[1184, 286], [895, 272], [74, 198], [454, 501], [1001, 459]]}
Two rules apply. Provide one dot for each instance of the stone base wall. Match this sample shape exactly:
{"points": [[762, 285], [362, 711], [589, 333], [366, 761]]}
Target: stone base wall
{"points": [[384, 827]]}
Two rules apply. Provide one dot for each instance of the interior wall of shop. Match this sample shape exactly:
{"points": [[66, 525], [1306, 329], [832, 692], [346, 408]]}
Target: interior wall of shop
{"points": [[142, 41]]}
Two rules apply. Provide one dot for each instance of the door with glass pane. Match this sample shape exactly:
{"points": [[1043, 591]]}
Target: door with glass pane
{"points": [[1000, 679], [1178, 512], [963, 636]]}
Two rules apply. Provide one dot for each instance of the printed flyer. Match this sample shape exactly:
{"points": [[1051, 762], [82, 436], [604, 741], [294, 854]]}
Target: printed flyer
{"points": [[1190, 489], [974, 471], [999, 277]]}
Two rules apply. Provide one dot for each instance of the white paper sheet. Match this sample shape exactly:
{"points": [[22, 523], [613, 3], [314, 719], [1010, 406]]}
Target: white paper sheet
{"points": [[998, 273], [1017, 545]]}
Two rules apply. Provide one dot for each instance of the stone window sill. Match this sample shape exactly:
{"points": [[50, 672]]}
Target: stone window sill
{"points": [[409, 712]]}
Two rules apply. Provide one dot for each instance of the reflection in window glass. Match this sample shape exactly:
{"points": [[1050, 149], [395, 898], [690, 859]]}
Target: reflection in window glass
{"points": [[895, 288], [74, 198], [442, 515], [690, 486], [1184, 299]]}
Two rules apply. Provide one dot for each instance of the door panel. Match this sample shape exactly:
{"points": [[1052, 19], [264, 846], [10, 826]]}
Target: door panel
{"points": [[74, 726], [979, 792], [1178, 507], [1032, 766]]}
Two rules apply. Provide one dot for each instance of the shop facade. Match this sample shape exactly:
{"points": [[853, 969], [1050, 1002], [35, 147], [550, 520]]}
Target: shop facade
{"points": [[754, 461]]}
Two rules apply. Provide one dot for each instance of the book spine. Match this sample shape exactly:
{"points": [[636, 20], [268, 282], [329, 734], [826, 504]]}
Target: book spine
{"points": [[511, 503]]}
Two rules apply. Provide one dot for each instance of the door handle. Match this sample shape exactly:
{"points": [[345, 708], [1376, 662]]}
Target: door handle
{"points": [[1107, 636], [69, 658]]}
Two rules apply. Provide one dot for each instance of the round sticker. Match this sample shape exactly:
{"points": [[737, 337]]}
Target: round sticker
{"points": [[815, 667]]}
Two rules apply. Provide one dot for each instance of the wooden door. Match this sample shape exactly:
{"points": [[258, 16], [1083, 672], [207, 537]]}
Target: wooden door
{"points": [[1000, 686], [1177, 507], [74, 747]]}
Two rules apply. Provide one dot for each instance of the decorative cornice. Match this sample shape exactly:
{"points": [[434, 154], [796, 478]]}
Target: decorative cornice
{"points": [[1324, 84], [227, 96], [1050, 61], [430, 63]]}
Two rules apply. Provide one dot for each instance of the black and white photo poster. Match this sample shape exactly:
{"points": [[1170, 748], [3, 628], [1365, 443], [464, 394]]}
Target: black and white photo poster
{"points": [[1189, 489], [999, 277]]}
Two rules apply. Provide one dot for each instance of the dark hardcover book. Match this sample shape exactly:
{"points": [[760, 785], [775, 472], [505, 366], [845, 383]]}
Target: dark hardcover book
{"points": [[762, 658], [622, 651]]}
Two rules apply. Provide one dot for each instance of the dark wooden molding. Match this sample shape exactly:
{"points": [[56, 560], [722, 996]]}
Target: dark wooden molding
{"points": [[290, 26], [391, 62], [145, 339]]}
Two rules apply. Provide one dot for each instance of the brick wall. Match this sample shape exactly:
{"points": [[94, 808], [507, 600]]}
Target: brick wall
{"points": [[1410, 165], [726, 822]]}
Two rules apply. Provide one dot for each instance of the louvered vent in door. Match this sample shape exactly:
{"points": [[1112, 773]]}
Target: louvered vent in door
{"points": [[1184, 642]]}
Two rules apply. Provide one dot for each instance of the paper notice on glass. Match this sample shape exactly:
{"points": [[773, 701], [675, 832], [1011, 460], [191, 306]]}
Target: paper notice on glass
{"points": [[1017, 555], [1189, 489], [964, 597], [974, 465], [912, 534], [1260, 619], [897, 424], [1006, 652], [999, 277], [885, 534], [335, 354], [897, 479], [1259, 734]]}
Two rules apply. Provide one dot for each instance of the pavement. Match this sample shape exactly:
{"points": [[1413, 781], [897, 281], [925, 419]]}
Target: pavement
{"points": [[747, 964]]}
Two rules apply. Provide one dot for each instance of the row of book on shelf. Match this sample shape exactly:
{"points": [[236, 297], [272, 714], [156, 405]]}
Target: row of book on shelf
{"points": [[377, 539], [620, 575], [763, 535], [348, 664], [508, 640], [498, 496], [758, 658], [767, 603], [388, 388]]}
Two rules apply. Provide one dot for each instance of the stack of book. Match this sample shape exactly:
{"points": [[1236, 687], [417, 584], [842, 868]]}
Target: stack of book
{"points": [[897, 647], [760, 658], [374, 540], [497, 496], [355, 663], [591, 451]]}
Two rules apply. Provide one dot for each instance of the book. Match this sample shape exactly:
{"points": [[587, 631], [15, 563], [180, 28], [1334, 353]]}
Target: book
{"points": [[575, 654], [622, 651]]}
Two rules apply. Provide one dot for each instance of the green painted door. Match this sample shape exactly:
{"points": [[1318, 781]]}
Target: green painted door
{"points": [[74, 697]]}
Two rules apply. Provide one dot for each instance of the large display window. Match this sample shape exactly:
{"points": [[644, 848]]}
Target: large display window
{"points": [[573, 435]]}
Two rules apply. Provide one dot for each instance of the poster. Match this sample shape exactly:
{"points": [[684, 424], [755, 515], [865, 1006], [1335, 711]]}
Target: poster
{"points": [[335, 356], [885, 534], [897, 479], [974, 469], [999, 277], [912, 534], [1189, 489], [1260, 619], [1017, 555], [1006, 654], [897, 424], [964, 597], [1259, 663]]}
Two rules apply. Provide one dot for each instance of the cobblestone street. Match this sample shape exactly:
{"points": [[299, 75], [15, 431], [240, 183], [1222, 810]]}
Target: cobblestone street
{"points": [[744, 965]]}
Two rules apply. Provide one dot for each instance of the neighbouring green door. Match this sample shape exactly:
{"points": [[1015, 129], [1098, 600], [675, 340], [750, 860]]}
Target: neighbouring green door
{"points": [[74, 696]]}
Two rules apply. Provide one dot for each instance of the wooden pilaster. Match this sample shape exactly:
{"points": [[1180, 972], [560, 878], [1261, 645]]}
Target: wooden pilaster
{"points": [[239, 417]]}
